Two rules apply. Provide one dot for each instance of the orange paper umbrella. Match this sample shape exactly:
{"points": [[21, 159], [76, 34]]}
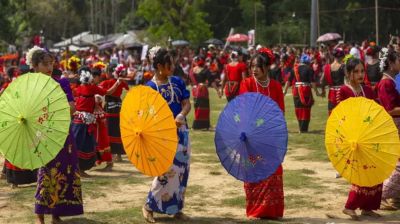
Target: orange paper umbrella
{"points": [[148, 131]]}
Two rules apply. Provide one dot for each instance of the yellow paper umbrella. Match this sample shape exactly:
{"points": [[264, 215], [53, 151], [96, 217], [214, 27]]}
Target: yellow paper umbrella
{"points": [[148, 131], [362, 141]]}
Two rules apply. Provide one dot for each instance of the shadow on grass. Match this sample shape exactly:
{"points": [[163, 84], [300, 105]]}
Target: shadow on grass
{"points": [[82, 221]]}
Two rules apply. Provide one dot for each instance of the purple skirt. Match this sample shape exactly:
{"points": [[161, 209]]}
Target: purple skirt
{"points": [[59, 185]]}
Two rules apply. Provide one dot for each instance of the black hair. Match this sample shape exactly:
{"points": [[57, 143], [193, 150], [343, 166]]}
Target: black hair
{"points": [[39, 55], [11, 71], [351, 64], [56, 72], [261, 60], [162, 57], [391, 57], [96, 72], [338, 53]]}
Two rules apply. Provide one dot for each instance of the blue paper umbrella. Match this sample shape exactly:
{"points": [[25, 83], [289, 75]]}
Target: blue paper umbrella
{"points": [[397, 81], [251, 137]]}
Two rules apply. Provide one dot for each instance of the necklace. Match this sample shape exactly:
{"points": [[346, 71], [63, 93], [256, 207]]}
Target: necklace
{"points": [[389, 76], [266, 84], [170, 86], [354, 92]]}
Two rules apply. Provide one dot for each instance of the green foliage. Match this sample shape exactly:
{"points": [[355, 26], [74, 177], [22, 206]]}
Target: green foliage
{"points": [[174, 18]]}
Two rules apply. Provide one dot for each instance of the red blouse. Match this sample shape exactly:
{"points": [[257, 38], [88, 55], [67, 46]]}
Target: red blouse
{"points": [[234, 73], [274, 90], [388, 95], [107, 84], [346, 92], [84, 100]]}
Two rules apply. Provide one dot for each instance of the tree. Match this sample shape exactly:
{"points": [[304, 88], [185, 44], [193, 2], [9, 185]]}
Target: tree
{"points": [[178, 19]]}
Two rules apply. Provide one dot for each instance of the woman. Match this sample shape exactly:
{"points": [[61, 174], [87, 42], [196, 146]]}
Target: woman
{"points": [[199, 77], [59, 186], [234, 73], [167, 192], [367, 199], [264, 199], [333, 77], [303, 80], [390, 100], [84, 120], [373, 72], [101, 132], [112, 109]]}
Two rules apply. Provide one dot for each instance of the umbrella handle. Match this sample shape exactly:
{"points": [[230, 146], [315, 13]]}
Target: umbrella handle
{"points": [[21, 119], [243, 137]]}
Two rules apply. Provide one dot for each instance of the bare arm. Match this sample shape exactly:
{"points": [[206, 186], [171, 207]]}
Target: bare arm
{"points": [[180, 118], [395, 111], [113, 88]]}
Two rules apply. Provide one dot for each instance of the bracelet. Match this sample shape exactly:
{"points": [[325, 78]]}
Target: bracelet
{"points": [[180, 117]]}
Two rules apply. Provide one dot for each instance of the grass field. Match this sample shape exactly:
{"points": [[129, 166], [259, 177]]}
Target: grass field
{"points": [[213, 196]]}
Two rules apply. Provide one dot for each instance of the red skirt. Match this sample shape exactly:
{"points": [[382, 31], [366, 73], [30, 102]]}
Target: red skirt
{"points": [[332, 98], [201, 107], [364, 198], [103, 144], [265, 199]]}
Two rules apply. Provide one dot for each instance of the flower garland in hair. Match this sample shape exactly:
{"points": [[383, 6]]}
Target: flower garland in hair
{"points": [[382, 58], [266, 51], [118, 70], [85, 77], [153, 51], [347, 58], [30, 53], [73, 63], [99, 65]]}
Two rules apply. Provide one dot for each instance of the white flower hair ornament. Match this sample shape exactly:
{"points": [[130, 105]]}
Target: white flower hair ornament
{"points": [[153, 51], [30, 53], [85, 77], [383, 54]]}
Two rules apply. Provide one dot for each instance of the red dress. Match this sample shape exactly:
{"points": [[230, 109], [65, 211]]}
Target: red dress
{"points": [[364, 198], [265, 199], [101, 134], [233, 75]]}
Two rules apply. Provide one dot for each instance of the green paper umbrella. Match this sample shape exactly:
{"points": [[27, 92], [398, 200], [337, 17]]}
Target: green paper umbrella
{"points": [[34, 120]]}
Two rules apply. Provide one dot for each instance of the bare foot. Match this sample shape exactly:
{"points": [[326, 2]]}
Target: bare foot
{"points": [[148, 215], [39, 219], [56, 220], [351, 213], [385, 205], [181, 216], [370, 213]]}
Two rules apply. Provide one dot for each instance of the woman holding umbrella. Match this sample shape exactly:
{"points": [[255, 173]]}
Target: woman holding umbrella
{"points": [[167, 192], [390, 100], [264, 199], [365, 198], [59, 186]]}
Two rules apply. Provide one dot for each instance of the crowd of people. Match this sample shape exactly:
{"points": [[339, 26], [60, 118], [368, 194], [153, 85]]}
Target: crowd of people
{"points": [[94, 82]]}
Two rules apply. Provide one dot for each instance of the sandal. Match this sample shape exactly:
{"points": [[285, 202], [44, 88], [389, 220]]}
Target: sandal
{"points": [[385, 205], [351, 213], [370, 214], [148, 215]]}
